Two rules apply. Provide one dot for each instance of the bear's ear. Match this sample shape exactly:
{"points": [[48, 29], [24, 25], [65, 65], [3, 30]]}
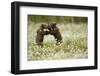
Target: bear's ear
{"points": [[42, 26], [53, 25]]}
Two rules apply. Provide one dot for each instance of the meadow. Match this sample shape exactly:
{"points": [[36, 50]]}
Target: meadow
{"points": [[74, 44]]}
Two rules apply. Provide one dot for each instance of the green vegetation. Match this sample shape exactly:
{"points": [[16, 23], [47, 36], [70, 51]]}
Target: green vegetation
{"points": [[74, 33], [57, 19]]}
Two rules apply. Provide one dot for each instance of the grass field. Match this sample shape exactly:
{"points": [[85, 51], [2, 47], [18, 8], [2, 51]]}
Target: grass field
{"points": [[74, 44]]}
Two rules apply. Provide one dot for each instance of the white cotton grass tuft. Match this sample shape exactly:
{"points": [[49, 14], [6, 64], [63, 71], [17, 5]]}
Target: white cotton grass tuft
{"points": [[74, 44]]}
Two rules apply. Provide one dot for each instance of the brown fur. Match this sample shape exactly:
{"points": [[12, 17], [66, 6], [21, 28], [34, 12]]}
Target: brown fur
{"points": [[51, 29]]}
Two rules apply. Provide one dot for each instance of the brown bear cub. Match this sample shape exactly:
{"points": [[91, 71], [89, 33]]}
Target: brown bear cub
{"points": [[51, 29], [41, 32], [54, 30]]}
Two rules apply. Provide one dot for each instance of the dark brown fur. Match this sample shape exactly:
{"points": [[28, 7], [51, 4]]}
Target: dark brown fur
{"points": [[40, 34], [54, 30], [51, 29]]}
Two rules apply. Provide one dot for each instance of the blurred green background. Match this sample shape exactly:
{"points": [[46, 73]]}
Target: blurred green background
{"points": [[74, 31]]}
